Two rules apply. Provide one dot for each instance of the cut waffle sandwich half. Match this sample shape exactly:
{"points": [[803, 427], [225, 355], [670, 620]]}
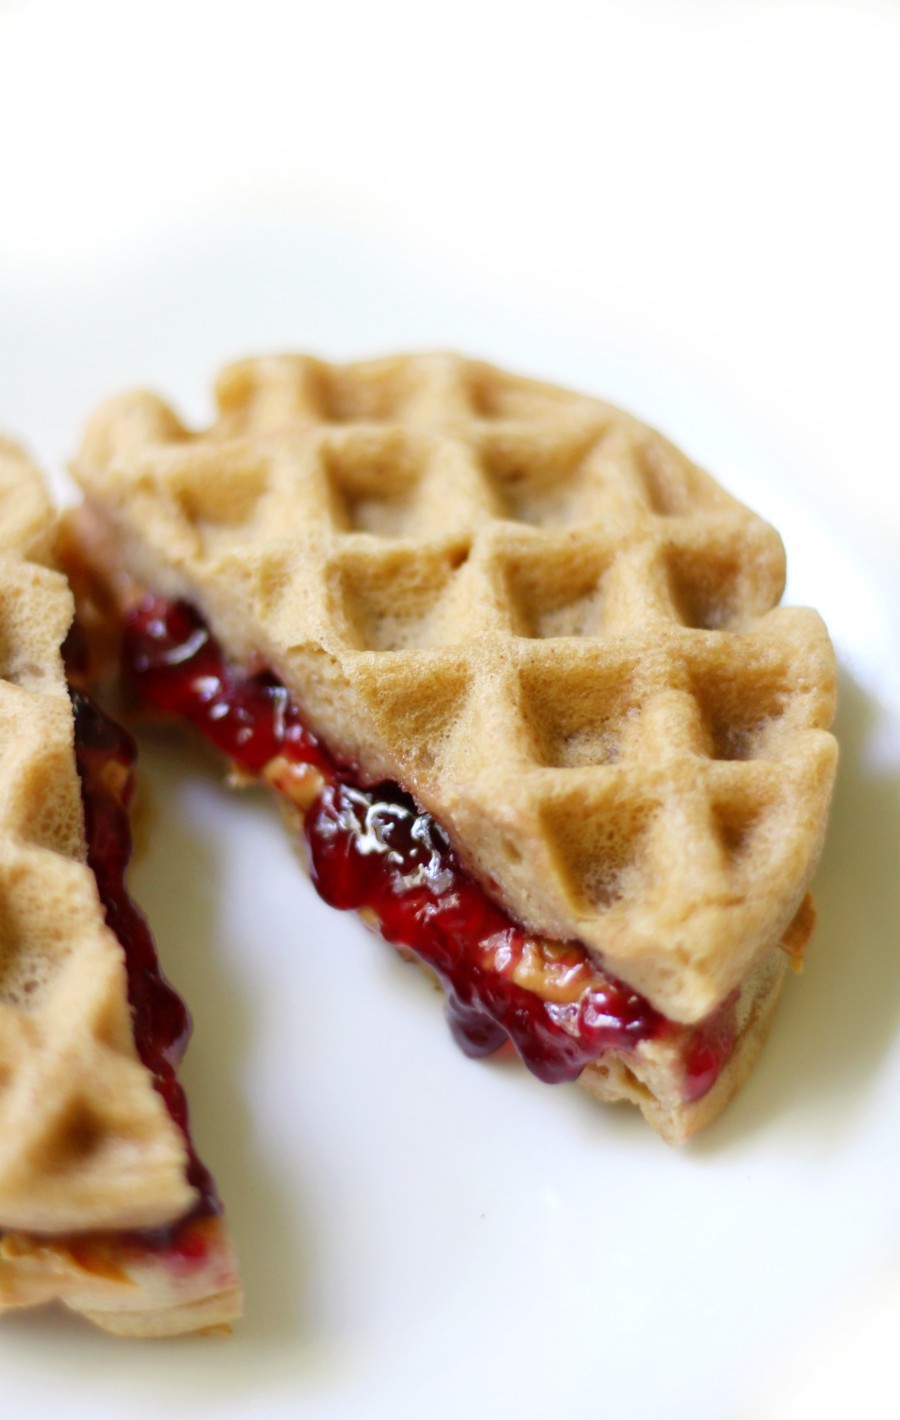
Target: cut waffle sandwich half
{"points": [[103, 1202], [518, 667]]}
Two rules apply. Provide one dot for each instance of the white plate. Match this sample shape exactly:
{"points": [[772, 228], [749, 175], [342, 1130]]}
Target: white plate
{"points": [[422, 1234]]}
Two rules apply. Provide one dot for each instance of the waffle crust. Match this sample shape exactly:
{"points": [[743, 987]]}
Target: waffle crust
{"points": [[86, 1142], [530, 610]]}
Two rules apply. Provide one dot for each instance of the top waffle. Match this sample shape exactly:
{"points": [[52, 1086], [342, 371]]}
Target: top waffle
{"points": [[529, 609], [85, 1140]]}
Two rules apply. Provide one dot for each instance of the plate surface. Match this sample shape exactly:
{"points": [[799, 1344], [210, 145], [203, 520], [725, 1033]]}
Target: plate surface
{"points": [[423, 1234]]}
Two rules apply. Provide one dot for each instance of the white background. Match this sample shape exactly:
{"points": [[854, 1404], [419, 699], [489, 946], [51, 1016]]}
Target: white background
{"points": [[692, 208], [709, 180]]}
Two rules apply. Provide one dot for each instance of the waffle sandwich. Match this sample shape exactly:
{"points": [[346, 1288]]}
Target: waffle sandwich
{"points": [[103, 1203], [517, 669]]}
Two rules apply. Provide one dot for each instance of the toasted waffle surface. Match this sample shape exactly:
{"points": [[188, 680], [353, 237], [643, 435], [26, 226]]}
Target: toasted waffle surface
{"points": [[533, 612], [85, 1140], [89, 1154]]}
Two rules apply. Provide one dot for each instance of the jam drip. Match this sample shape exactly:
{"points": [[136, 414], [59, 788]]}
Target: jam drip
{"points": [[372, 848], [105, 754]]}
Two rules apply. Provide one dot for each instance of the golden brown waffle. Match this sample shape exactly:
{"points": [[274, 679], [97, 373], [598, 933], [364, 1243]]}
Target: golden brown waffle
{"points": [[86, 1142], [529, 609]]}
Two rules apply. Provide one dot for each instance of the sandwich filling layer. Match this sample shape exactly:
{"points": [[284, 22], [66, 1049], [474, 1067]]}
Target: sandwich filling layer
{"points": [[105, 755]]}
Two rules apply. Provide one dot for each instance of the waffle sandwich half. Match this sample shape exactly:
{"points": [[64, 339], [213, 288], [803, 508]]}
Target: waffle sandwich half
{"points": [[558, 738], [103, 1203]]}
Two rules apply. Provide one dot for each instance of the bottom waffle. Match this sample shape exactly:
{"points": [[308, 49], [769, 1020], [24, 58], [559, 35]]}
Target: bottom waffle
{"points": [[126, 1285]]}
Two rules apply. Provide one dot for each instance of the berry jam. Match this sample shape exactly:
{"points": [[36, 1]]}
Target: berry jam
{"points": [[105, 754], [372, 848]]}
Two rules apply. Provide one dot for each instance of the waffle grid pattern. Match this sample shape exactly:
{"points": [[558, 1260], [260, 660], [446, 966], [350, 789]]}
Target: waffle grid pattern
{"points": [[85, 1140], [531, 610]]}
